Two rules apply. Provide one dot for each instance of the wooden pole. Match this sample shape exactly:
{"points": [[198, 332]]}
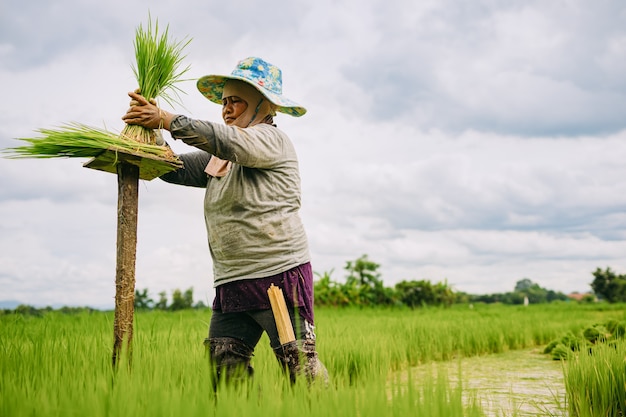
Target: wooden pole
{"points": [[127, 207]]}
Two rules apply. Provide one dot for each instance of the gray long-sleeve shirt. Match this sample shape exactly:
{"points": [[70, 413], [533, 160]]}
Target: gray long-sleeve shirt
{"points": [[252, 213]]}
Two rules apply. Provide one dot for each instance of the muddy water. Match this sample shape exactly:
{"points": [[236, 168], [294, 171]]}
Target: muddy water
{"points": [[516, 383]]}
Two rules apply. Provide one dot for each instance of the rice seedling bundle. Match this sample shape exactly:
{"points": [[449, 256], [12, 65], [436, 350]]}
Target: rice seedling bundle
{"points": [[157, 71], [76, 140]]}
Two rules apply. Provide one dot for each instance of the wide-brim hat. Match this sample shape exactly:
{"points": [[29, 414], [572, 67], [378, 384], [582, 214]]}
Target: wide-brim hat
{"points": [[262, 75]]}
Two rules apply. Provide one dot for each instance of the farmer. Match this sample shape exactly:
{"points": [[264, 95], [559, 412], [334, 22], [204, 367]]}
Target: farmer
{"points": [[256, 238]]}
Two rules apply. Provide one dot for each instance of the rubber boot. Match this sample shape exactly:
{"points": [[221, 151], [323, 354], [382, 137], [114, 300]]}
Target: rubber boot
{"points": [[299, 358], [230, 359]]}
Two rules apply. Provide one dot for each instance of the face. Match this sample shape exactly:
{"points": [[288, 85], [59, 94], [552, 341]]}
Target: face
{"points": [[232, 108]]}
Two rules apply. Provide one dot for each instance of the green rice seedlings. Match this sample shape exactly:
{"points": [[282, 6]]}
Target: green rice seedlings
{"points": [[75, 140], [595, 382], [157, 70], [58, 364]]}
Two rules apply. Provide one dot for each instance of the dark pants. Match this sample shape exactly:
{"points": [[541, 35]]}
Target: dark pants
{"points": [[248, 326]]}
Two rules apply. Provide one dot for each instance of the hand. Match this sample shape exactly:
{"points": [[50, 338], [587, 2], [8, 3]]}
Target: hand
{"points": [[146, 113], [134, 102]]}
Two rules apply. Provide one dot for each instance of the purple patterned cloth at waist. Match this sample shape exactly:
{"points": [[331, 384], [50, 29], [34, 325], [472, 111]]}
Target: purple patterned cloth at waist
{"points": [[251, 294]]}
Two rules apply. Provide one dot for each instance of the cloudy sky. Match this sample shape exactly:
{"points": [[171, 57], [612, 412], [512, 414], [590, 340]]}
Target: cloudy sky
{"points": [[478, 142]]}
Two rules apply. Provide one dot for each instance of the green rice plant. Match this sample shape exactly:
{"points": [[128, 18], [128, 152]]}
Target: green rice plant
{"points": [[158, 61], [609, 332], [58, 364], [76, 140], [596, 383], [157, 70], [616, 328], [596, 334], [561, 352], [405, 338]]}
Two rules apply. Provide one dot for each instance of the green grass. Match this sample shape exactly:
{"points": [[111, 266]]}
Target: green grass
{"points": [[60, 365], [596, 381]]}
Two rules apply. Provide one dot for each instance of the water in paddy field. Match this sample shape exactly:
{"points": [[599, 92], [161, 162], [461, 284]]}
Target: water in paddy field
{"points": [[521, 383]]}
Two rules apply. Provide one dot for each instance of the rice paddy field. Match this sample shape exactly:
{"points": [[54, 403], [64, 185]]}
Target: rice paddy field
{"points": [[382, 362]]}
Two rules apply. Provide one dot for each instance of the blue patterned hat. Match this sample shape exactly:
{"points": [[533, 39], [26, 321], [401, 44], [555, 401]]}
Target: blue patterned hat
{"points": [[265, 77]]}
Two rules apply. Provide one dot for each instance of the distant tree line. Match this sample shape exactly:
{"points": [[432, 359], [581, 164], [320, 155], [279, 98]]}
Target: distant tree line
{"points": [[180, 301], [28, 310], [524, 290], [364, 287]]}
